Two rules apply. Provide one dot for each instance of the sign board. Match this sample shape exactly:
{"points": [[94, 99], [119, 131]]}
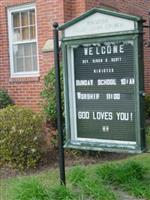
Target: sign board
{"points": [[99, 23], [103, 82]]}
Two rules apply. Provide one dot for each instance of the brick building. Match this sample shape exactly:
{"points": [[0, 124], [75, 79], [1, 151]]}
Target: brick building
{"points": [[26, 52]]}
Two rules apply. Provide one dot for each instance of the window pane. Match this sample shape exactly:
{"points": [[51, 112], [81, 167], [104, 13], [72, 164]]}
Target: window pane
{"points": [[32, 32], [25, 33], [28, 64], [27, 49], [19, 65], [25, 18], [32, 17], [18, 58], [15, 50], [18, 50], [16, 20], [34, 49], [17, 35], [14, 63], [34, 63], [24, 56]]}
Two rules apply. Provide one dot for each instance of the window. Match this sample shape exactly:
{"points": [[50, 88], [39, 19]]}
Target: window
{"points": [[23, 41]]}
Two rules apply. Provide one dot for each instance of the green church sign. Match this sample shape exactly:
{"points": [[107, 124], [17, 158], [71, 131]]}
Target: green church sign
{"points": [[103, 79]]}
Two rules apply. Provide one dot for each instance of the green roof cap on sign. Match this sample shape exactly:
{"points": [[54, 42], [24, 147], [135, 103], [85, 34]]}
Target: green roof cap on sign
{"points": [[99, 10]]}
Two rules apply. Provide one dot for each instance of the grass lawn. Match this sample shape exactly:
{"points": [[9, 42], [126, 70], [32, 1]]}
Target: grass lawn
{"points": [[84, 183], [92, 182]]}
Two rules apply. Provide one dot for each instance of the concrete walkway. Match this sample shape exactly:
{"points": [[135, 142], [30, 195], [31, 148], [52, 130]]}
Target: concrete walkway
{"points": [[124, 196]]}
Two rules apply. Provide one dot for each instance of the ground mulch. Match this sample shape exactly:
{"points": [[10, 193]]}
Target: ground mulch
{"points": [[72, 158]]}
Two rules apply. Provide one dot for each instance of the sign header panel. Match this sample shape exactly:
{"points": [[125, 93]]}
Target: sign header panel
{"points": [[99, 23]]}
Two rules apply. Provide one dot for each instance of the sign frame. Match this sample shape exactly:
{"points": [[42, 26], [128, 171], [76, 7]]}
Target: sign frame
{"points": [[70, 115]]}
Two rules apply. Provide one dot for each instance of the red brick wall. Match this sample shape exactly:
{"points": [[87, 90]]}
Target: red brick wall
{"points": [[135, 7], [112, 4], [26, 91], [73, 8], [67, 10]]}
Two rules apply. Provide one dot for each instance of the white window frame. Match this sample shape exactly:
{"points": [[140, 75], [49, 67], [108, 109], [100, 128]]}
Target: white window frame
{"points": [[11, 43]]}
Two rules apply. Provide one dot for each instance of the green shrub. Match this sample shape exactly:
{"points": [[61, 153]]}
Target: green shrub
{"points": [[61, 193], [32, 189], [29, 189], [77, 175], [49, 95], [147, 106], [95, 189], [122, 173], [5, 99], [20, 136]]}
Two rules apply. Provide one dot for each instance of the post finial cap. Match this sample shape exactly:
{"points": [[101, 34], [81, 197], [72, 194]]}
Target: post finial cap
{"points": [[55, 25]]}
